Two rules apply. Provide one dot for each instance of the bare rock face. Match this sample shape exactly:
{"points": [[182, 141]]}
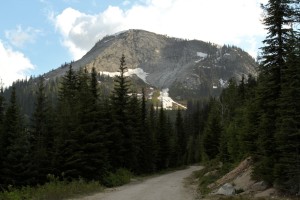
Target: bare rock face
{"points": [[169, 62], [227, 190], [259, 186]]}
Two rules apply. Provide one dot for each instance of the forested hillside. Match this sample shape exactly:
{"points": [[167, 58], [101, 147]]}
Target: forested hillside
{"points": [[87, 134]]}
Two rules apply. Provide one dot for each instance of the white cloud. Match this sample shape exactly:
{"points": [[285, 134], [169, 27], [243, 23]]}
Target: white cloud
{"points": [[80, 31], [13, 65], [218, 21], [19, 36]]}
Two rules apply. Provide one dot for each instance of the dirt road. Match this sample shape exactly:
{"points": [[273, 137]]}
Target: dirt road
{"points": [[165, 187]]}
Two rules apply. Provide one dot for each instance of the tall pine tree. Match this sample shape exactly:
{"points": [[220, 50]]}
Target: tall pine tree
{"points": [[16, 162], [278, 16], [2, 147], [41, 135], [287, 137], [120, 132]]}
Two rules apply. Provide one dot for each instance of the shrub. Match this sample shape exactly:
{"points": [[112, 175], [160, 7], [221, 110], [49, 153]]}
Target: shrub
{"points": [[54, 189], [120, 177]]}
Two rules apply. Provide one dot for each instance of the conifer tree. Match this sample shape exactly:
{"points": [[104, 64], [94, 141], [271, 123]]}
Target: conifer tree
{"points": [[66, 140], [92, 156], [2, 149], [182, 138], [94, 85], [163, 140], [241, 90], [278, 16], [41, 138], [133, 137], [146, 139], [16, 162], [213, 131], [2, 100], [119, 101], [152, 143], [287, 168]]}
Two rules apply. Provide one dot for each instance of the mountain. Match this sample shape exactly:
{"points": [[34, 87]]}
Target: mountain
{"points": [[187, 67]]}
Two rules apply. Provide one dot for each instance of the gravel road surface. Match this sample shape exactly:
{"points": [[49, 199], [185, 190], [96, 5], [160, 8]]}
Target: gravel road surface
{"points": [[165, 187]]}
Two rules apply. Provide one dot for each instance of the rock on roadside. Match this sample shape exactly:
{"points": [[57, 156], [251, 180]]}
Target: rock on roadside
{"points": [[227, 189]]}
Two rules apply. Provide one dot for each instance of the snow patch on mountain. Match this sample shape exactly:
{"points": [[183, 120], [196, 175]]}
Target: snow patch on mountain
{"points": [[137, 71], [167, 102], [110, 74], [205, 67], [223, 83], [202, 55]]}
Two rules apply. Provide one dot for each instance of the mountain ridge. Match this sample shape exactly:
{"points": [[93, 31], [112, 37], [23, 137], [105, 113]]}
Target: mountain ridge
{"points": [[168, 62]]}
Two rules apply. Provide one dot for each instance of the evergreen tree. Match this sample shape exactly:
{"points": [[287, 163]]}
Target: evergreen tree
{"points": [[67, 147], [182, 139], [146, 156], [250, 89], [278, 16], [132, 140], [92, 155], [213, 131], [41, 138], [2, 145], [152, 143], [94, 85], [229, 100], [242, 89], [120, 101], [287, 168], [16, 162], [2, 100], [163, 140]]}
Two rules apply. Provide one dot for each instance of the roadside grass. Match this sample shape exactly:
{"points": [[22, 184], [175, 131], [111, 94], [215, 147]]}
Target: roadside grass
{"points": [[120, 177], [241, 197], [211, 172], [56, 189], [53, 190]]}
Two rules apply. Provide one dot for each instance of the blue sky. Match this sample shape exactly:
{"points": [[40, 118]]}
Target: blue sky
{"points": [[39, 35]]}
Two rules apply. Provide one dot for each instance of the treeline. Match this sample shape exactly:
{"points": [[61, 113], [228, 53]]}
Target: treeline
{"points": [[87, 134], [26, 90], [262, 118]]}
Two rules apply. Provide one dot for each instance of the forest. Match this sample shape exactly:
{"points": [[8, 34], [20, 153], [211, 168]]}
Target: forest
{"points": [[88, 134]]}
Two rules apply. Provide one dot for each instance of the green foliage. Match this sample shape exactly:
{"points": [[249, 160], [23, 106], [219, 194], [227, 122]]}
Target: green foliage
{"points": [[41, 139], [2, 144], [213, 170], [120, 119], [54, 189], [120, 177], [287, 168], [181, 143], [213, 131], [163, 141], [16, 159], [275, 99]]}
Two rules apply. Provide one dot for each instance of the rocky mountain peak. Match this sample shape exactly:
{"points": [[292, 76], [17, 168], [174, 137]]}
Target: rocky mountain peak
{"points": [[168, 62]]}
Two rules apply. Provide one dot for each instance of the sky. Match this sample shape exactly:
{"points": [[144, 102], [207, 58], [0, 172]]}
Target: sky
{"points": [[37, 36]]}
